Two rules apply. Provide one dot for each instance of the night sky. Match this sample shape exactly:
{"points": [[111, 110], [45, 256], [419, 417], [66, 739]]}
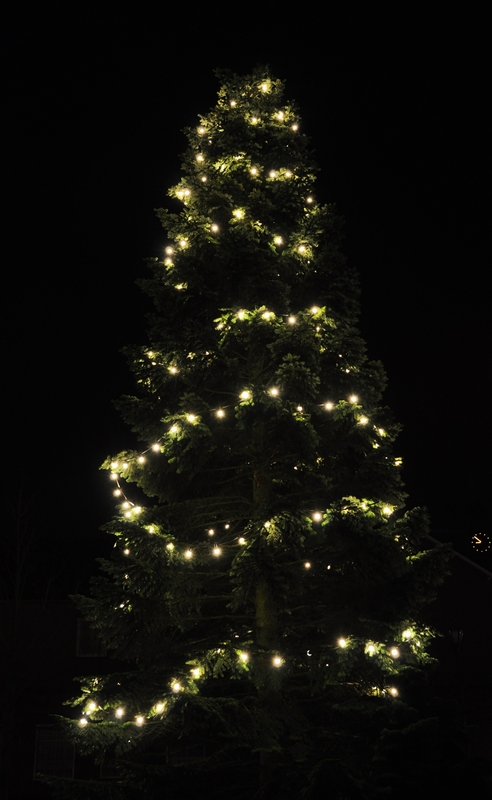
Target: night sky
{"points": [[95, 98]]}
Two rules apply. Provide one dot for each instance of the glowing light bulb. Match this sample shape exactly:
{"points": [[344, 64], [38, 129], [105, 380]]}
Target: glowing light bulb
{"points": [[288, 173], [317, 516], [232, 103], [189, 554], [170, 546], [238, 213], [295, 127], [168, 262], [176, 687], [241, 314], [395, 652], [245, 395], [156, 448], [190, 417], [183, 243], [92, 706], [139, 720], [211, 532], [173, 429], [196, 672], [273, 392], [254, 120], [137, 510], [264, 87], [381, 431], [267, 524], [241, 540], [387, 511], [119, 712], [169, 252], [114, 465], [328, 406], [370, 649], [214, 228], [394, 691], [307, 565], [300, 409], [267, 314], [203, 179], [220, 412], [278, 240], [141, 459], [199, 157], [217, 551], [201, 130], [173, 370], [309, 199], [244, 657], [292, 320], [114, 476], [363, 421], [159, 708], [277, 661], [126, 504], [126, 551], [280, 114], [407, 634], [342, 643], [314, 310], [82, 722], [151, 529], [253, 171], [273, 174], [353, 398], [117, 492]]}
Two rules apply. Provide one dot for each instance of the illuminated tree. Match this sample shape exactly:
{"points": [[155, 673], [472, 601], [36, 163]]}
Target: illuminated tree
{"points": [[267, 595]]}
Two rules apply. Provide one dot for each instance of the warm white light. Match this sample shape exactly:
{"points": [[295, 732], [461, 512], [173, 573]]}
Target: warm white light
{"points": [[370, 649], [169, 251], [288, 173], [241, 314], [253, 171], [201, 130], [307, 565], [277, 661], [217, 551], [328, 406], [114, 465], [190, 417], [156, 447], [245, 395], [387, 510], [273, 174], [139, 720], [264, 87], [314, 310], [267, 314], [233, 103], [203, 179], [407, 634], [393, 691], [173, 370], [159, 708], [292, 320], [238, 213], [295, 127], [173, 429], [114, 476], [273, 392], [254, 120], [300, 409], [92, 706], [363, 421], [381, 431], [211, 532], [170, 546], [126, 504], [267, 524], [141, 460], [168, 262], [309, 199], [242, 540], [317, 516], [196, 672], [353, 398], [126, 551], [119, 712], [214, 228], [183, 243], [220, 412], [189, 554], [244, 656], [117, 492], [83, 721], [151, 529], [278, 240], [124, 465], [176, 687], [395, 652], [342, 643], [301, 248], [128, 514], [199, 157], [280, 114]]}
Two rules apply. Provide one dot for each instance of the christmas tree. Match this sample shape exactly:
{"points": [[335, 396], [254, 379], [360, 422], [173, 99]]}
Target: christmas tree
{"points": [[265, 601]]}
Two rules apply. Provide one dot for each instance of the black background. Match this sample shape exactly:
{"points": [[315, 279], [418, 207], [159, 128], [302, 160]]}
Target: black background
{"points": [[395, 100]]}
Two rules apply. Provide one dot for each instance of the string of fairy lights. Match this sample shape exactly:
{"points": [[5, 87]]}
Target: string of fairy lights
{"points": [[408, 640], [300, 245]]}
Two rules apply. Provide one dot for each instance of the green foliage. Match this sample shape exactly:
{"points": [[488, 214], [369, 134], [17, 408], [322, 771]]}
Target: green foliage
{"points": [[266, 604]]}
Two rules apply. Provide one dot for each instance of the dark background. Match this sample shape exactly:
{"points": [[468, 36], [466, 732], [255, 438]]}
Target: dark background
{"points": [[395, 100]]}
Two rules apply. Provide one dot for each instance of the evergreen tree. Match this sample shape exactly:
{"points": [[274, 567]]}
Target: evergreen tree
{"points": [[267, 598]]}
